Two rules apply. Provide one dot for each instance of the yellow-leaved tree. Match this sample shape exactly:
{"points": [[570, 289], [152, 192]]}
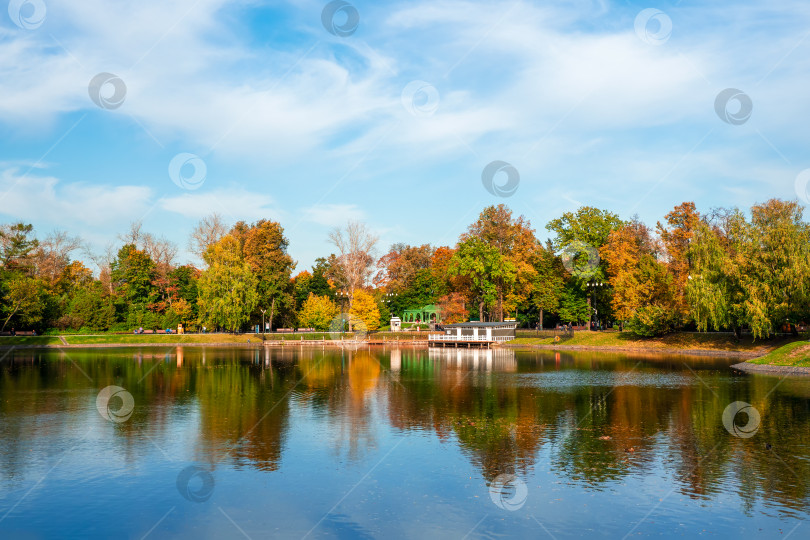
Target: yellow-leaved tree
{"points": [[317, 312], [365, 308]]}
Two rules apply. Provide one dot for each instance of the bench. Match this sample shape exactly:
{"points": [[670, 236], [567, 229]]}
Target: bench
{"points": [[27, 333], [284, 330], [306, 330]]}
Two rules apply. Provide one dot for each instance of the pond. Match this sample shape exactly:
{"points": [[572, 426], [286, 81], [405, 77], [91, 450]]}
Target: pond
{"points": [[397, 443]]}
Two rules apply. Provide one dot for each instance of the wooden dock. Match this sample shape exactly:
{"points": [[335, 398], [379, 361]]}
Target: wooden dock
{"points": [[464, 342]]}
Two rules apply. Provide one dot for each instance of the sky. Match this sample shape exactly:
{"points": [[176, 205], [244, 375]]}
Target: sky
{"points": [[410, 116]]}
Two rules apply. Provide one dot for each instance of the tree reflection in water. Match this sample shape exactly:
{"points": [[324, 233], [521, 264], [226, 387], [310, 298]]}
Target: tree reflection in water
{"points": [[594, 419]]}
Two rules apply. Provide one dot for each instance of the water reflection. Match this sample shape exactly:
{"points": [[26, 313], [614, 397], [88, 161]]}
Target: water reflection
{"points": [[592, 420]]}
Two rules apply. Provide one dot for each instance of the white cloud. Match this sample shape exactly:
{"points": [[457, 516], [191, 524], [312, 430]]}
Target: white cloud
{"points": [[233, 204], [34, 198], [333, 215]]}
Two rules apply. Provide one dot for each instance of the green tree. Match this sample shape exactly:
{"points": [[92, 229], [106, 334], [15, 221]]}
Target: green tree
{"points": [[574, 305], [589, 225], [133, 273], [486, 268], [580, 235], [714, 291], [23, 301], [227, 288], [549, 283]]}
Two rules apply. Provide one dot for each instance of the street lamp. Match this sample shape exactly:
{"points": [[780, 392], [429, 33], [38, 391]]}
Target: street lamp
{"points": [[591, 286], [263, 326]]}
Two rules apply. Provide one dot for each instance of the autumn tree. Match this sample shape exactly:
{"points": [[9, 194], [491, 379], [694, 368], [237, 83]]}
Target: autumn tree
{"points": [[676, 235], [641, 286], [452, 308], [317, 312], [52, 255], [265, 249], [398, 267], [504, 275], [355, 245], [365, 309]]}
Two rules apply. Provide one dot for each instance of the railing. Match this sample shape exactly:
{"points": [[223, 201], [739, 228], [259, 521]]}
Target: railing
{"points": [[454, 337]]}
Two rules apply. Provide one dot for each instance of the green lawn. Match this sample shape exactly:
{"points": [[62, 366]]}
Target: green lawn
{"points": [[112, 339], [30, 340], [612, 340], [795, 354], [681, 341]]}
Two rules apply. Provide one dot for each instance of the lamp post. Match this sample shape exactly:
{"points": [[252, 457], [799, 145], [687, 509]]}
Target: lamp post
{"points": [[591, 286], [343, 295], [263, 326]]}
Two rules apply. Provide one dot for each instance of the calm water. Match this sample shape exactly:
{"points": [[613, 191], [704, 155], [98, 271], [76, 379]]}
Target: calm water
{"points": [[247, 443]]}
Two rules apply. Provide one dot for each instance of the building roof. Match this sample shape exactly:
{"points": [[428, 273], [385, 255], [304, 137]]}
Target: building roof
{"points": [[476, 324]]}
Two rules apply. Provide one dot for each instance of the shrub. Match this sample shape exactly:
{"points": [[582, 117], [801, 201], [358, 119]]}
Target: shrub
{"points": [[650, 321]]}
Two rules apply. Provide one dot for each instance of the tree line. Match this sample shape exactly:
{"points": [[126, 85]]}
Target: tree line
{"points": [[723, 270]]}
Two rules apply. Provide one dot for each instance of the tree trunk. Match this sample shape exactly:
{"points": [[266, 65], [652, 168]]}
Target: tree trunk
{"points": [[272, 307], [481, 312], [541, 318], [500, 304], [351, 299], [590, 312]]}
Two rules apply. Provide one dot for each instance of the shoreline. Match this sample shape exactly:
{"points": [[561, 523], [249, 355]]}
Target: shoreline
{"points": [[241, 344], [768, 369], [748, 355]]}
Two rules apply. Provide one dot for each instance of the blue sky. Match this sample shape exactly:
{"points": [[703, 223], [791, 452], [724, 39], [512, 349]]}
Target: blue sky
{"points": [[308, 128]]}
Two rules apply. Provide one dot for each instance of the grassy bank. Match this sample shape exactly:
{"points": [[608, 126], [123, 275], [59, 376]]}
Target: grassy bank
{"points": [[130, 339], [29, 340], [616, 341], [678, 341], [795, 354]]}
